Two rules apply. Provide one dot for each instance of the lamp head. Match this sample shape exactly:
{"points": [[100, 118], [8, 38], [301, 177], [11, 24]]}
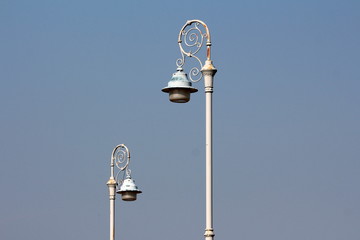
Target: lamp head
{"points": [[128, 190], [179, 87]]}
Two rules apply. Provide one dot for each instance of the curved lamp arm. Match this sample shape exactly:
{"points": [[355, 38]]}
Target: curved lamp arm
{"points": [[191, 39]]}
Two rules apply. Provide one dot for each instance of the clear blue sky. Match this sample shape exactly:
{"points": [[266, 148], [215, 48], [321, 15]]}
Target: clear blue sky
{"points": [[79, 77]]}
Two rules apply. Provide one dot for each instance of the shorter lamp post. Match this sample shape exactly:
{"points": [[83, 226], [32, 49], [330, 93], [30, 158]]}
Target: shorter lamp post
{"points": [[121, 158]]}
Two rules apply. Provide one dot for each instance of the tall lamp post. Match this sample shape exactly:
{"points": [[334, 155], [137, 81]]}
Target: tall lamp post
{"points": [[120, 158], [191, 38]]}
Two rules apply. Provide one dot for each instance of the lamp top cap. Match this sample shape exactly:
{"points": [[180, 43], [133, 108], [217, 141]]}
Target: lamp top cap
{"points": [[129, 185], [179, 79]]}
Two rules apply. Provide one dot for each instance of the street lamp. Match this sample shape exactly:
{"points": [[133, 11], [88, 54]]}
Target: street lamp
{"points": [[191, 39], [121, 158]]}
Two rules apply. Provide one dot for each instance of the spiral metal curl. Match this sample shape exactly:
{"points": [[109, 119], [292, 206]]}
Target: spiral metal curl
{"points": [[194, 72], [191, 38], [121, 158]]}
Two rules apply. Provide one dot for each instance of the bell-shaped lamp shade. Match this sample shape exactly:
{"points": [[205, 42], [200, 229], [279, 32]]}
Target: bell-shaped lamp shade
{"points": [[128, 190], [179, 87]]}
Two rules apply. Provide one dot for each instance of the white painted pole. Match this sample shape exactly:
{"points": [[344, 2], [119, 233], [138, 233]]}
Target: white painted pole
{"points": [[112, 187], [112, 219], [208, 73], [112, 195]]}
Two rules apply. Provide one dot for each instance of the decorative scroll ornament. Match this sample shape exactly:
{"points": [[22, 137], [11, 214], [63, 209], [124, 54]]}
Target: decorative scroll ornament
{"points": [[191, 39], [121, 158]]}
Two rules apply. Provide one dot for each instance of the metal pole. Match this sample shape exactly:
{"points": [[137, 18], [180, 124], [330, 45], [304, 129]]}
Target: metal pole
{"points": [[208, 72], [112, 219], [112, 195], [112, 186]]}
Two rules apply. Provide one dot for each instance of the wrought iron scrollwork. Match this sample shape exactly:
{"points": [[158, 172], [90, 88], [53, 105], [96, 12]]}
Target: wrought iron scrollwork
{"points": [[191, 39], [121, 158]]}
